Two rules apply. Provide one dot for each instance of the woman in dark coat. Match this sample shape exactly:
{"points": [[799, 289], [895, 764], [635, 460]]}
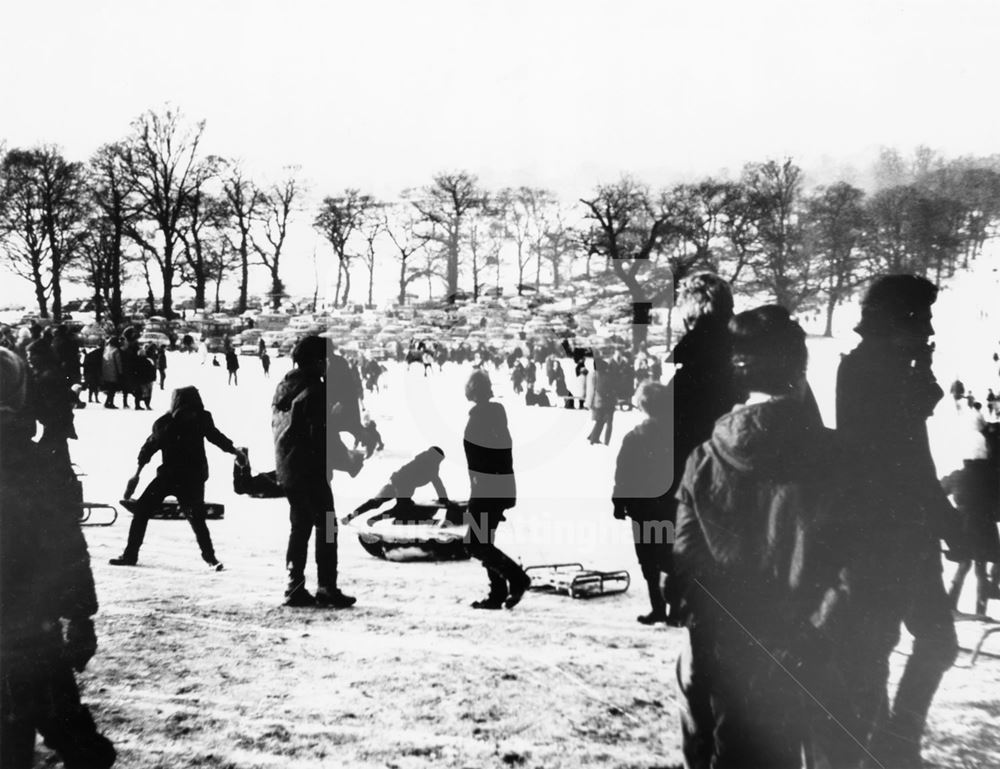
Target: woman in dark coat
{"points": [[232, 365], [488, 451]]}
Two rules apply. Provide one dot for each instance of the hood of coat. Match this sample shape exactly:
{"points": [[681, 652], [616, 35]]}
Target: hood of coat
{"points": [[295, 382], [186, 401], [769, 439]]}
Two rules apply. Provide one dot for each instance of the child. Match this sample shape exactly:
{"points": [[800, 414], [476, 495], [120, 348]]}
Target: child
{"points": [[180, 436], [423, 469]]}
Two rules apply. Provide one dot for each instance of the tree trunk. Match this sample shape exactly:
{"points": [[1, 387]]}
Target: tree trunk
{"points": [[56, 291], [277, 288], [538, 271], [43, 305], [402, 282], [452, 266], [371, 283], [641, 313], [347, 283], [168, 279], [340, 277], [244, 274], [831, 303]]}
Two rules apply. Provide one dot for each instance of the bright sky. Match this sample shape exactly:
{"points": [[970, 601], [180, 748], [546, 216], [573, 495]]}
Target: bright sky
{"points": [[382, 94]]}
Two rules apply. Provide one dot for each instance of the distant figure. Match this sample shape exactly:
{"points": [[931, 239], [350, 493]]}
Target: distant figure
{"points": [[265, 363], [488, 451], [232, 366], [161, 365], [180, 436], [203, 349]]}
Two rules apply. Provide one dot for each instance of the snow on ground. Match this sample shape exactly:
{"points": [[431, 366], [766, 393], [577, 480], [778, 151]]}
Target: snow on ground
{"points": [[203, 669]]}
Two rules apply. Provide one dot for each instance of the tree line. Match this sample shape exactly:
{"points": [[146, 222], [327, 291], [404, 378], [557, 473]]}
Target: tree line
{"points": [[153, 207]]}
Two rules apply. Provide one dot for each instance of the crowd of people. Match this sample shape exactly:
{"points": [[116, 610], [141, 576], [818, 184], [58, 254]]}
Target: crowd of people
{"points": [[792, 553]]}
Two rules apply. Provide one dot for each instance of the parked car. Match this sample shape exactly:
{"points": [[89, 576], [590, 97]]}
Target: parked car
{"points": [[154, 337]]}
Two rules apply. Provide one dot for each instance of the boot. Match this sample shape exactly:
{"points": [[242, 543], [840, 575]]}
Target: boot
{"points": [[333, 598]]}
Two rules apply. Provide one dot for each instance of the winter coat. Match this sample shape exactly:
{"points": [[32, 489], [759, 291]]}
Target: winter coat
{"points": [[701, 389], [419, 471], [883, 402], [93, 364], [44, 565], [111, 369], [604, 393], [180, 436], [762, 522], [304, 453], [642, 480], [489, 453]]}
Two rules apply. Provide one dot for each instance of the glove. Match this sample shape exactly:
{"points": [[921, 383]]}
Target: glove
{"points": [[80, 643], [619, 511], [130, 486]]}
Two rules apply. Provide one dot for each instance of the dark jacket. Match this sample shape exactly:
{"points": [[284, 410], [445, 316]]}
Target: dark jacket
{"points": [[305, 453], [761, 523], [180, 436], [424, 468], [883, 402], [44, 565], [642, 483], [701, 390], [489, 453]]}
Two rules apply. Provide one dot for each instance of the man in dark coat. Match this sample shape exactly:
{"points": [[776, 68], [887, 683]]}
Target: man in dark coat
{"points": [[45, 580], [885, 393], [315, 401], [180, 436]]}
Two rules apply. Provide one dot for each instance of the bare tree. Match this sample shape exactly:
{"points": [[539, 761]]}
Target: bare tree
{"points": [[339, 220], [372, 226], [201, 232], [111, 191], [161, 160], [244, 200], [400, 225], [277, 205], [444, 206], [42, 219], [626, 229]]}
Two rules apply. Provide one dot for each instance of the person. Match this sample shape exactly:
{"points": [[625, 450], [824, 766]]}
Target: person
{"points": [[493, 490], [145, 377], [47, 599], [701, 390], [517, 376], [972, 486], [885, 393], [129, 355], [179, 435], [642, 494], [420, 471], [203, 349], [603, 398], [161, 365], [760, 526], [92, 365], [265, 363], [111, 371], [311, 405], [232, 365]]}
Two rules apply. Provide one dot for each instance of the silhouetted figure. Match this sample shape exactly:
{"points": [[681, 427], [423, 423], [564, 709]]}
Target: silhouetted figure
{"points": [[312, 404], [759, 523], [45, 581], [420, 471], [489, 453], [179, 436], [885, 393], [642, 493]]}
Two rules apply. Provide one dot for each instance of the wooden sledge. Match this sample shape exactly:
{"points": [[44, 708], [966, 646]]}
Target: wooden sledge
{"points": [[171, 510], [574, 580], [87, 510]]}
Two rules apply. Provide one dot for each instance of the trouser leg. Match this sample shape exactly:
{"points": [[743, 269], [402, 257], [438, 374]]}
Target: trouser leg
{"points": [[935, 648], [957, 581], [147, 504], [609, 418], [192, 500], [67, 726], [17, 728], [697, 721], [301, 525], [325, 545], [651, 565]]}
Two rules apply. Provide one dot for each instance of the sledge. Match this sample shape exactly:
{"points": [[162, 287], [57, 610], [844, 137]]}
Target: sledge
{"points": [[420, 532], [171, 510], [576, 581], [87, 510]]}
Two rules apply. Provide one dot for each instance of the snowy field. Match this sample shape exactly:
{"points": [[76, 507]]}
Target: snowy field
{"points": [[203, 669], [207, 669]]}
